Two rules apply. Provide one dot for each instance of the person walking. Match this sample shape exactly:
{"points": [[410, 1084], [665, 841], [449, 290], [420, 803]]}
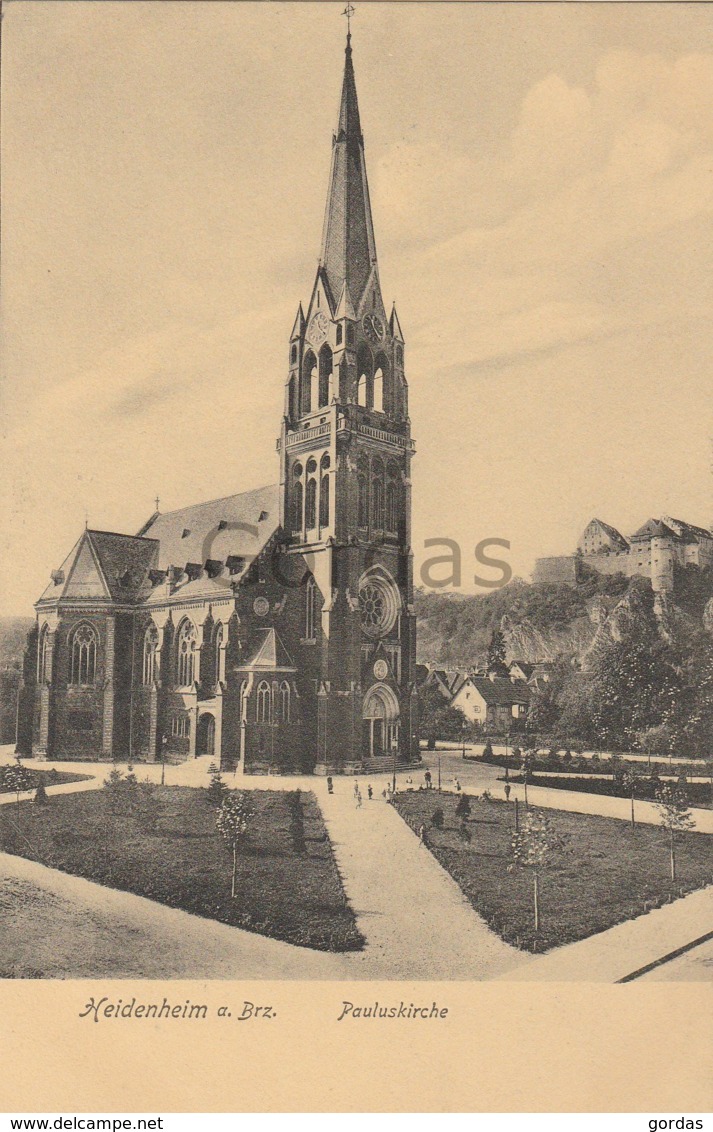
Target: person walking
{"points": [[422, 834], [507, 788], [370, 792], [427, 779], [358, 799], [356, 787], [330, 784]]}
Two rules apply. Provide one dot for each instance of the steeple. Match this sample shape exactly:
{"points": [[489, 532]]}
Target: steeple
{"points": [[348, 247]]}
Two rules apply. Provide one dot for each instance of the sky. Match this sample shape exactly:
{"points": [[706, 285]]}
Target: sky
{"points": [[542, 188]]}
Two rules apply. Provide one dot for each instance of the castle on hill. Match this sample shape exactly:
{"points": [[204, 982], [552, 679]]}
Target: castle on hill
{"points": [[653, 551]]}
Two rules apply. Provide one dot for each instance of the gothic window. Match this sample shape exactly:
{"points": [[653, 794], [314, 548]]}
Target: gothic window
{"points": [[377, 495], [150, 645], [311, 499], [381, 385], [186, 654], [363, 483], [399, 355], [284, 702], [244, 699], [325, 375], [181, 726], [84, 655], [291, 399], [218, 646], [309, 379], [43, 656], [310, 610], [297, 497], [379, 391], [324, 492], [264, 715], [365, 369], [392, 498], [340, 333], [379, 605], [293, 353]]}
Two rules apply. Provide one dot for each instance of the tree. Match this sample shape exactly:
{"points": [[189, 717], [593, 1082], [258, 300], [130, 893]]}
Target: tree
{"points": [[496, 653], [147, 807], [115, 792], [41, 797], [232, 824], [463, 807], [17, 778], [535, 846], [676, 817]]}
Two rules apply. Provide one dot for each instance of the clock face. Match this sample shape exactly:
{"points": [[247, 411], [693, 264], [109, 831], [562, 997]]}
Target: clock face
{"points": [[261, 606], [318, 328], [373, 327]]}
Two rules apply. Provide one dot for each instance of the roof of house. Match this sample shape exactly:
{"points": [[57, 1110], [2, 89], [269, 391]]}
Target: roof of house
{"points": [[524, 667], [500, 690]]}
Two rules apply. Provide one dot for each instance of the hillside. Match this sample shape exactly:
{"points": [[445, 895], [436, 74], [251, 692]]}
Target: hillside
{"points": [[539, 621], [543, 621]]}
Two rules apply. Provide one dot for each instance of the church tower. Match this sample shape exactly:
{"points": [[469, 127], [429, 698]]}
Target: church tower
{"points": [[345, 487]]}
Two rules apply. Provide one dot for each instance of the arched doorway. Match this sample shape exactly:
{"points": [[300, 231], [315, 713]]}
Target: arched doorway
{"points": [[380, 722], [205, 735]]}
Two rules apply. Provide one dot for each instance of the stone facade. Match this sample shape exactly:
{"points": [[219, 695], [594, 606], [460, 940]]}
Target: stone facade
{"points": [[274, 629]]}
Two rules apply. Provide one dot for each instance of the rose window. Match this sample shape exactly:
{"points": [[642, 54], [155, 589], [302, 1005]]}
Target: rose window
{"points": [[379, 605]]}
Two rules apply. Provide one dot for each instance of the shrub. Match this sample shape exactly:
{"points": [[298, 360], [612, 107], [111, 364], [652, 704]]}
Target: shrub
{"points": [[463, 807], [488, 750], [437, 819], [41, 794]]}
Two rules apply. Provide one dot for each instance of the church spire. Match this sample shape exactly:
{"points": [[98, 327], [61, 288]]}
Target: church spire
{"points": [[348, 247]]}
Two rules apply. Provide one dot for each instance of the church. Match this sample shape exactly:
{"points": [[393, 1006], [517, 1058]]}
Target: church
{"points": [[273, 629]]}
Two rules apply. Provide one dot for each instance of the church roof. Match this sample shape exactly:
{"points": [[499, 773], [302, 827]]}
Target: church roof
{"points": [[348, 246], [103, 565], [236, 525]]}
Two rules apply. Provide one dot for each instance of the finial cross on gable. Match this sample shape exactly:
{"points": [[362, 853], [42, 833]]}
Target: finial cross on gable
{"points": [[349, 12]]}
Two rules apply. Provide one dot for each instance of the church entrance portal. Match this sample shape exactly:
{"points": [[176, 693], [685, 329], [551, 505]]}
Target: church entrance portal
{"points": [[205, 735], [380, 722]]}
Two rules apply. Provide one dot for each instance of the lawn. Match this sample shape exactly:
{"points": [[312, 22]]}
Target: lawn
{"points": [[49, 777], [609, 873], [288, 885], [698, 793]]}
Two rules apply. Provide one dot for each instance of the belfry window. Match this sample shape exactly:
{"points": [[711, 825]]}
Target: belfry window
{"points": [[150, 646], [311, 496], [324, 491], [84, 655], [365, 369], [393, 498], [377, 495], [340, 333], [309, 383], [186, 654], [297, 498], [325, 375]]}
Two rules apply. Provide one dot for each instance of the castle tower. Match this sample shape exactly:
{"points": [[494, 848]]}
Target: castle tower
{"points": [[345, 456]]}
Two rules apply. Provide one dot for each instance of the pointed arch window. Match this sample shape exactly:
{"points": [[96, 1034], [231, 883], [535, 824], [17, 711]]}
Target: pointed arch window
{"points": [[311, 504], [381, 385], [377, 495], [186, 654], [293, 353], [311, 610], [393, 498], [43, 656], [218, 640], [292, 397], [84, 655], [340, 333], [264, 714], [150, 646], [297, 498], [309, 382], [325, 375], [324, 491], [284, 708], [365, 369]]}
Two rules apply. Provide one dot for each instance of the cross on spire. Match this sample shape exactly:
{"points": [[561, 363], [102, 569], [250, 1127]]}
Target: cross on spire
{"points": [[349, 12]]}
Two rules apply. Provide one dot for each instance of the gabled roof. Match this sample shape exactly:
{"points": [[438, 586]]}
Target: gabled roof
{"points": [[501, 691], [687, 531], [525, 668], [270, 652], [654, 528], [236, 525]]}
